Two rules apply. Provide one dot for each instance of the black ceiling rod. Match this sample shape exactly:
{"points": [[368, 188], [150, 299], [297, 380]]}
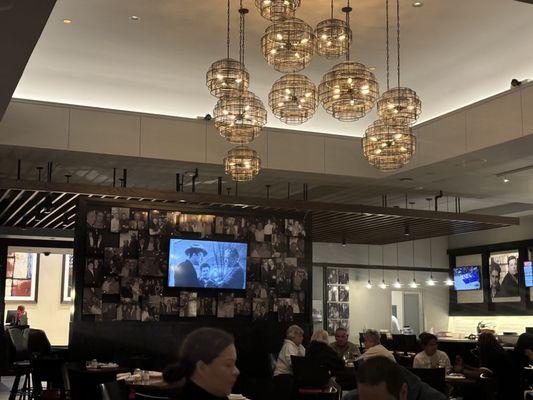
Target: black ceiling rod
{"points": [[228, 189], [219, 190], [68, 179], [268, 191], [406, 201], [437, 197], [39, 175], [193, 180], [383, 200], [236, 188], [114, 177], [459, 204], [288, 190], [124, 177], [49, 172], [18, 169]]}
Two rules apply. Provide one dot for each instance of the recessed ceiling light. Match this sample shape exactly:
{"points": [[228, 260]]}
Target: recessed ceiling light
{"points": [[418, 4], [506, 180], [67, 21], [135, 18]]}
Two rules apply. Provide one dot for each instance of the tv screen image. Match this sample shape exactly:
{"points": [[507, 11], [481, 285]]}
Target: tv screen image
{"points": [[467, 278], [528, 273], [197, 263]]}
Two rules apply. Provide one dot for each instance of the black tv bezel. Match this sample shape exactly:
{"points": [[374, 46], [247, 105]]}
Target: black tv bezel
{"points": [[207, 239], [479, 274]]}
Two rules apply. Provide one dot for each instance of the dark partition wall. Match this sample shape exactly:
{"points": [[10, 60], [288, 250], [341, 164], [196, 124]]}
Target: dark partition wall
{"points": [[126, 309]]}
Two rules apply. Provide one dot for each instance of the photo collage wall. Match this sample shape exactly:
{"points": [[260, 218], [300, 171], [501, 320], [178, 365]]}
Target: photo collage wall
{"points": [[126, 266], [338, 298]]}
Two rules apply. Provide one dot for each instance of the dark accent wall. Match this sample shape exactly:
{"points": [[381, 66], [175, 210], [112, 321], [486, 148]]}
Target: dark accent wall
{"points": [[489, 308]]}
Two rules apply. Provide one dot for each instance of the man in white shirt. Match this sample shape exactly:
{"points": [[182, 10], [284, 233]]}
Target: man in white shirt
{"points": [[431, 357], [373, 347], [292, 346]]}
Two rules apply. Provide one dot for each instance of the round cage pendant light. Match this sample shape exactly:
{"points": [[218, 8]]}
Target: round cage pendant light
{"points": [[293, 99], [227, 76], [333, 37], [288, 45], [277, 10], [349, 90], [242, 164], [399, 104], [241, 115], [388, 147]]}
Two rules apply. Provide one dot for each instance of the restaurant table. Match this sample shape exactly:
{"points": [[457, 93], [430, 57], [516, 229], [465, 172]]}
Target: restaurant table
{"points": [[84, 381], [155, 387], [461, 385]]}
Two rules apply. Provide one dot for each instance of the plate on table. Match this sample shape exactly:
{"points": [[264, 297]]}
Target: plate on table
{"points": [[236, 397], [455, 375]]}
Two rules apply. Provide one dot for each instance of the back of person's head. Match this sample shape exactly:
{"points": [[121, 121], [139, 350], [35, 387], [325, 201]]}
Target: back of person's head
{"points": [[372, 336], [426, 338], [293, 331], [524, 342], [381, 378], [488, 347], [320, 335], [204, 344]]}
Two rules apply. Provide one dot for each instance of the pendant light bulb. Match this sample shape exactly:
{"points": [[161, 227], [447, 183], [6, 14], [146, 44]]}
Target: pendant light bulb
{"points": [[413, 284], [368, 284], [449, 281], [397, 284], [383, 285], [431, 281]]}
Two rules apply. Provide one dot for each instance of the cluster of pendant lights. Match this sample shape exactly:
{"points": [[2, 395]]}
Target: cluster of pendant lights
{"points": [[348, 91]]}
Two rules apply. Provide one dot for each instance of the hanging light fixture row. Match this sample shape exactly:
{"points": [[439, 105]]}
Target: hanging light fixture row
{"points": [[277, 10], [334, 37], [293, 99], [242, 164]]}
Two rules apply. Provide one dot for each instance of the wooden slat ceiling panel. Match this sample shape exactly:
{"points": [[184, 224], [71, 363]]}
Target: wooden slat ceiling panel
{"points": [[21, 202]]}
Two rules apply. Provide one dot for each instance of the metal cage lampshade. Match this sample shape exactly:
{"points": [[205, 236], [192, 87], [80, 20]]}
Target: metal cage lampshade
{"points": [[388, 147], [293, 99], [348, 91], [288, 45], [239, 118], [227, 76], [277, 10], [242, 164], [399, 105], [333, 38]]}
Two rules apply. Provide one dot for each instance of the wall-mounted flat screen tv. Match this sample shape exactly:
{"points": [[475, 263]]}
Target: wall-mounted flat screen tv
{"points": [[467, 278], [195, 263], [528, 273]]}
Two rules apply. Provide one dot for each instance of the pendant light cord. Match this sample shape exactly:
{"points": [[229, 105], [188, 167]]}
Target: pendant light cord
{"points": [[347, 10], [242, 12], [331, 9], [388, 47], [228, 31], [398, 37]]}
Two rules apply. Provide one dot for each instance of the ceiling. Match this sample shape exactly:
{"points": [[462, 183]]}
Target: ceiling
{"points": [[454, 52]]}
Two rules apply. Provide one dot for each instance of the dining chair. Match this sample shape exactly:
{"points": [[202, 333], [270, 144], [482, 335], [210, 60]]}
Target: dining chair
{"points": [[114, 390], [18, 338]]}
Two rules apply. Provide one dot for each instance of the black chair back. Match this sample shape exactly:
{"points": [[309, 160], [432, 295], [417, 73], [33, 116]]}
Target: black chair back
{"points": [[38, 343], [434, 377], [18, 338], [405, 343], [115, 390], [53, 371], [309, 374]]}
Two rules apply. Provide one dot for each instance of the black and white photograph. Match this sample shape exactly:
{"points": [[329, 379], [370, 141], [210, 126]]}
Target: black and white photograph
{"points": [[170, 306], [332, 326], [253, 269], [151, 308], [129, 268], [260, 249], [301, 302], [344, 276], [295, 303], [318, 311], [344, 293], [279, 245], [332, 276], [503, 272], [95, 242], [344, 310], [130, 288], [109, 311], [273, 227], [171, 222], [138, 220], [93, 272], [129, 244], [111, 285], [226, 307], [152, 287], [230, 226], [92, 301], [284, 280], [259, 290], [150, 266], [268, 272], [120, 219], [243, 307], [272, 300], [299, 281], [285, 310], [155, 223], [333, 311], [188, 304], [207, 306], [149, 245], [344, 323], [128, 311], [333, 293], [259, 308], [98, 219], [202, 224], [113, 260], [291, 263], [294, 228], [296, 247]]}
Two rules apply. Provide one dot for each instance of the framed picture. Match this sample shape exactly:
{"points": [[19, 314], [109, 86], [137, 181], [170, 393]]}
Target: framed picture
{"points": [[21, 276], [504, 277], [67, 282]]}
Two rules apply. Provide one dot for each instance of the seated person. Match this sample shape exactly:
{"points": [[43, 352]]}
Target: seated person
{"points": [[431, 357], [322, 354], [373, 347], [494, 358], [292, 346], [343, 347], [22, 316], [380, 378]]}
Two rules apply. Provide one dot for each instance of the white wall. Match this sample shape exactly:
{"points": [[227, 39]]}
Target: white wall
{"points": [[48, 313], [372, 308]]}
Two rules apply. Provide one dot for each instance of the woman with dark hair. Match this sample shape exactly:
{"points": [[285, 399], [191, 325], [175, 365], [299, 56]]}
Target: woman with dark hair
{"points": [[207, 363], [431, 356]]}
